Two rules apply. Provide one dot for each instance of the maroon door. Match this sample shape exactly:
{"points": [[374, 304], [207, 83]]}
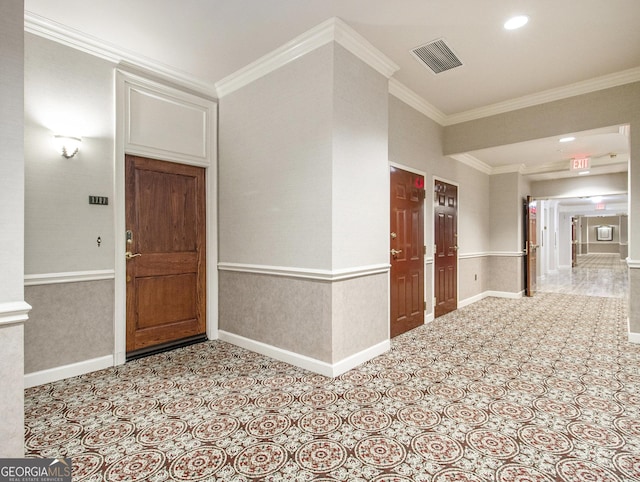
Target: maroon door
{"points": [[446, 247], [407, 251]]}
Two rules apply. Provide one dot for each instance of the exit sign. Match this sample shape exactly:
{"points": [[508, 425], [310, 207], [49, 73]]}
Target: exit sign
{"points": [[579, 163]]}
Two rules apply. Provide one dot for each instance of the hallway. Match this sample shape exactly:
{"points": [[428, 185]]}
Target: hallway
{"points": [[596, 275], [542, 388]]}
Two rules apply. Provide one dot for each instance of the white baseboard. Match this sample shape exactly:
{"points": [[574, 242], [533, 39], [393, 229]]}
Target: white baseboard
{"points": [[67, 371], [429, 318], [485, 294], [633, 337], [302, 361]]}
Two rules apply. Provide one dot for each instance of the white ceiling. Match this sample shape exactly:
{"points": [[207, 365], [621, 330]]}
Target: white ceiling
{"points": [[566, 42]]}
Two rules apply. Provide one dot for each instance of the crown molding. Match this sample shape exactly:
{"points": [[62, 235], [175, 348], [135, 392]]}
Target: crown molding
{"points": [[78, 40], [473, 162], [508, 169], [409, 97], [332, 30], [551, 95]]}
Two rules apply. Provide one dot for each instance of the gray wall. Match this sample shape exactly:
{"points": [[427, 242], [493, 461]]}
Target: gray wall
{"points": [[302, 162], [415, 141], [69, 323], [275, 150], [12, 231], [607, 107], [581, 186], [67, 92]]}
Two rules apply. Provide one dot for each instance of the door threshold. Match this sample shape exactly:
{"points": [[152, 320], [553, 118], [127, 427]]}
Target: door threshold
{"points": [[154, 350]]}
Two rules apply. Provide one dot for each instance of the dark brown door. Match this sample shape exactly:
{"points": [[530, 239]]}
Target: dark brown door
{"points": [[165, 216], [574, 242], [446, 247], [407, 251], [531, 247]]}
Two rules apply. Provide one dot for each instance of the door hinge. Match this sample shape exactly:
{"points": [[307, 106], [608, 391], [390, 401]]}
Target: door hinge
{"points": [[425, 306], [425, 249], [434, 301]]}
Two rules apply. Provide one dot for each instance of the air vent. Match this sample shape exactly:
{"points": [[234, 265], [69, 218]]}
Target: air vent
{"points": [[437, 56]]}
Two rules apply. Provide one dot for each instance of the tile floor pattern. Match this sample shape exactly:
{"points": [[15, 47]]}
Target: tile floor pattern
{"points": [[535, 389], [595, 275]]}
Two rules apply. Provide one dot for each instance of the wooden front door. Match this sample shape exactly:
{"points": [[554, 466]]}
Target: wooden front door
{"points": [[407, 251], [446, 247], [531, 247], [574, 242], [165, 217]]}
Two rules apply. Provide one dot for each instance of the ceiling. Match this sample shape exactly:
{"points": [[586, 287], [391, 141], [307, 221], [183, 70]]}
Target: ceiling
{"points": [[566, 43]]}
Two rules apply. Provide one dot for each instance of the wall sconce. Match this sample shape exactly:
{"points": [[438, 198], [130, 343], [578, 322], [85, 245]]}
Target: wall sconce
{"points": [[67, 146]]}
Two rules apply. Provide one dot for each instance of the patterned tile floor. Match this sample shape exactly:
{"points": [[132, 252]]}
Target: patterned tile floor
{"points": [[595, 275], [535, 389]]}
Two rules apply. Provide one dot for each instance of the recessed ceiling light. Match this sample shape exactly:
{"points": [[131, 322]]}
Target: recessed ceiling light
{"points": [[582, 173], [516, 22], [568, 139]]}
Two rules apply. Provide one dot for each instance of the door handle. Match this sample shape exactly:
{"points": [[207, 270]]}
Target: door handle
{"points": [[130, 255], [396, 252]]}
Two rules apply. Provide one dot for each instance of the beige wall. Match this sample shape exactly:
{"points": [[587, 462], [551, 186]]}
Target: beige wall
{"points": [[12, 230]]}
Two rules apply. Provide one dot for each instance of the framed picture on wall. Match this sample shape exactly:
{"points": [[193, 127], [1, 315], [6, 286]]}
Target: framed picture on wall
{"points": [[604, 233]]}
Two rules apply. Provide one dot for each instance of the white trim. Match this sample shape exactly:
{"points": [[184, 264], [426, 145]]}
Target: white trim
{"points": [[121, 79], [471, 300], [486, 294], [304, 273], [633, 263], [497, 254], [328, 31], [429, 317], [68, 277], [551, 95], [14, 312], [302, 361], [428, 260], [504, 294], [633, 337], [67, 371], [409, 97], [408, 169], [78, 40], [347, 37], [473, 162]]}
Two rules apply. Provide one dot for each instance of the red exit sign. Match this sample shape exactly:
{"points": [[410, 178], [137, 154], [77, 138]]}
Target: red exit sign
{"points": [[579, 163]]}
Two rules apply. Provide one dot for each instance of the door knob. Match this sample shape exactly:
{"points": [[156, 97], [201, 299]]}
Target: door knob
{"points": [[395, 252], [130, 255]]}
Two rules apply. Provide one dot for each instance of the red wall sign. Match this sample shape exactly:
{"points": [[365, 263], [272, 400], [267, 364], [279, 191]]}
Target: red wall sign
{"points": [[579, 163]]}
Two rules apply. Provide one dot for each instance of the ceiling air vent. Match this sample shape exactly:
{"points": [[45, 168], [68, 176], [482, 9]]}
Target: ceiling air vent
{"points": [[437, 56]]}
